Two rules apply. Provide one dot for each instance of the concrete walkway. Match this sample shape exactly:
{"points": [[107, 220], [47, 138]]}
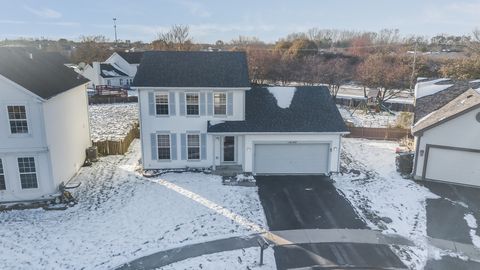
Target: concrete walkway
{"points": [[290, 237], [317, 236], [170, 256]]}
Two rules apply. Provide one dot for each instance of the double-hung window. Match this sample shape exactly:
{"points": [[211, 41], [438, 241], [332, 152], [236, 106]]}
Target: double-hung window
{"points": [[28, 172], [192, 103], [2, 177], [163, 144], [17, 116], [161, 104], [193, 146], [220, 103]]}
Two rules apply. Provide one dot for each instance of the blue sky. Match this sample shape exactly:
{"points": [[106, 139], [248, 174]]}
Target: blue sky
{"points": [[211, 20]]}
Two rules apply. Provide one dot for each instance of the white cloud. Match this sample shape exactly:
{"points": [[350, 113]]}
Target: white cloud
{"points": [[45, 13]]}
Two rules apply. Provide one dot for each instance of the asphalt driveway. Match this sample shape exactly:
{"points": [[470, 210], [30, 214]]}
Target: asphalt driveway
{"points": [[446, 220], [312, 202]]}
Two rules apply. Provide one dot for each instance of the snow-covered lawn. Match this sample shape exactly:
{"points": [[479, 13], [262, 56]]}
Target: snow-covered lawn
{"points": [[385, 200], [112, 121], [230, 260], [362, 119], [122, 216]]}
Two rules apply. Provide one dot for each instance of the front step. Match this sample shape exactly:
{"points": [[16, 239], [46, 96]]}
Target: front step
{"points": [[228, 170]]}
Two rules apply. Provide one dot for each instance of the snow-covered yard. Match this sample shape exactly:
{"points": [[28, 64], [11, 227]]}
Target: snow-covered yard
{"points": [[229, 260], [112, 121], [383, 198], [362, 119], [122, 216]]}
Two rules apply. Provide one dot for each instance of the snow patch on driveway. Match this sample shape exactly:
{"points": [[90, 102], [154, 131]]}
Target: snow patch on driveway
{"points": [[472, 223], [122, 216], [382, 197]]}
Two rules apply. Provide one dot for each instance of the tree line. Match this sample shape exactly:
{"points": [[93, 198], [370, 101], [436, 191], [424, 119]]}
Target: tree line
{"points": [[384, 60]]}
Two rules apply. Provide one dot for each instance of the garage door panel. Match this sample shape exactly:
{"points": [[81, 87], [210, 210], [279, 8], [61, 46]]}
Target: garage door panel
{"points": [[450, 165], [291, 158]]}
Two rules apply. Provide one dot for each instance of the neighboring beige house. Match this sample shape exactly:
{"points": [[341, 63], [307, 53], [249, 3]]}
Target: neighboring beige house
{"points": [[447, 132]]}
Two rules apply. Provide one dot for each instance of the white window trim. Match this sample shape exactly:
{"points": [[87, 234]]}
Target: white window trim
{"points": [[27, 114], [35, 160], [168, 103], [169, 146], [186, 104], [199, 146], [226, 104]]}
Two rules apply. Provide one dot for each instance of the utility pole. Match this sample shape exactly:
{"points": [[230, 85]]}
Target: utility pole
{"points": [[412, 78], [115, 29]]}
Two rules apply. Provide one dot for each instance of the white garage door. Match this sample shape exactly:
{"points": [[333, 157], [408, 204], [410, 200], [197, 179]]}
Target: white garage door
{"points": [[291, 158], [456, 166]]}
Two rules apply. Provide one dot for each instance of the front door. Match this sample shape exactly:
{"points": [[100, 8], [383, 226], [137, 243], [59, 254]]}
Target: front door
{"points": [[229, 149]]}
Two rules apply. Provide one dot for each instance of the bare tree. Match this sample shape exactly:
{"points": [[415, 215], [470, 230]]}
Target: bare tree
{"points": [[90, 49], [176, 39], [385, 72]]}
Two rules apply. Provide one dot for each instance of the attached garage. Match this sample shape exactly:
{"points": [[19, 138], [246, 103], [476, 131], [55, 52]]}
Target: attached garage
{"points": [[291, 158], [286, 131], [457, 165], [448, 142]]}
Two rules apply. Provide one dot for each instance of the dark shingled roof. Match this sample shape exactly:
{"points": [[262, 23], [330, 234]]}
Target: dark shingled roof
{"points": [[312, 110], [192, 69], [465, 102], [132, 57], [44, 74], [109, 67], [428, 104]]}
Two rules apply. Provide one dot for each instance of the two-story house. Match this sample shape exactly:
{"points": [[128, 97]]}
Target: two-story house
{"points": [[198, 109], [44, 125], [117, 71]]}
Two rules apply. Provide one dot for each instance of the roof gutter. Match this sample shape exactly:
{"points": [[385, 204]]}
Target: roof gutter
{"points": [[188, 88], [420, 131], [280, 133]]}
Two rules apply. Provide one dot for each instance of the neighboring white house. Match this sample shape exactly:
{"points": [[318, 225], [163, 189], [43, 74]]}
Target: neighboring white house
{"points": [[44, 125], [197, 109], [447, 132], [117, 71]]}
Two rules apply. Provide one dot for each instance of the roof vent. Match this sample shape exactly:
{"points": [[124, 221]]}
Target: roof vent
{"points": [[469, 96]]}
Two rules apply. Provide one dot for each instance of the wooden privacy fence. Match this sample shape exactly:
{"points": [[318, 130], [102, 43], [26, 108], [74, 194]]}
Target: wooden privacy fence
{"points": [[379, 133], [117, 147]]}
